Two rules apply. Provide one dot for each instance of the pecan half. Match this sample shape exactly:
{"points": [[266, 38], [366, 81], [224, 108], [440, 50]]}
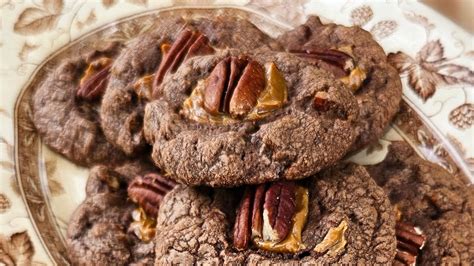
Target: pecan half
{"points": [[265, 212], [331, 56], [94, 82], [242, 220], [338, 62], [257, 211], [148, 191], [410, 240], [278, 210], [187, 44], [233, 87]]}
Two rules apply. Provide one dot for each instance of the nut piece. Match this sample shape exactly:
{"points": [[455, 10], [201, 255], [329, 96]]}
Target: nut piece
{"points": [[257, 211], [355, 79], [233, 87], [94, 82], [278, 210], [245, 95], [148, 191], [293, 242], [187, 44], [215, 87], [339, 62], [410, 240], [273, 216], [331, 56], [143, 87], [242, 220], [321, 101], [334, 241], [142, 226]]}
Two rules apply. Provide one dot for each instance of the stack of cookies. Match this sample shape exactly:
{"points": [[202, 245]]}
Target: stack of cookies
{"points": [[210, 142]]}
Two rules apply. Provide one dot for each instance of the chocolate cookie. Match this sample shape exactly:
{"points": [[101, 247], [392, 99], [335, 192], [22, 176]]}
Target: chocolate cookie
{"points": [[430, 198], [279, 117], [340, 216], [353, 56], [65, 109], [108, 228], [142, 65]]}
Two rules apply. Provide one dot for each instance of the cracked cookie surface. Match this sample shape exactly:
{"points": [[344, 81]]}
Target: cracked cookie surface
{"points": [[194, 224], [429, 197], [68, 124], [122, 107], [379, 95], [98, 229], [291, 142]]}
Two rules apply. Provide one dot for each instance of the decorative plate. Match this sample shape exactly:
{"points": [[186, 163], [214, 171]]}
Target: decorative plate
{"points": [[40, 189]]}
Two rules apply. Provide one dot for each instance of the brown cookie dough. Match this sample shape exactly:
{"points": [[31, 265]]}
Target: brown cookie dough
{"points": [[293, 141], [99, 230], [70, 125], [123, 104], [427, 196], [380, 93], [104, 178], [195, 224]]}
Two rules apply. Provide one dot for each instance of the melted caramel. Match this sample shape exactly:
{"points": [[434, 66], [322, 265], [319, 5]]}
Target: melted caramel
{"points": [[334, 241], [95, 67], [144, 87], [293, 242], [274, 96], [143, 226], [165, 48], [355, 79]]}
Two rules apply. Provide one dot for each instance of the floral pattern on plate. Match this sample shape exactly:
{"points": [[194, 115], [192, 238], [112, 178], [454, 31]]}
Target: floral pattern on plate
{"points": [[433, 55]]}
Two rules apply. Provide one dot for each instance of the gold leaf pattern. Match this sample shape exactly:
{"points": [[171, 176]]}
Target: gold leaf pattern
{"points": [[470, 54], [34, 20], [14, 185], [433, 150], [430, 69], [432, 51], [4, 203], [419, 19], [109, 3], [53, 6], [457, 144], [287, 10], [50, 166], [128, 31], [462, 116], [470, 163], [26, 50], [383, 29], [8, 164], [139, 2], [4, 112], [198, 2], [55, 187], [16, 249], [89, 20], [361, 15]]}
